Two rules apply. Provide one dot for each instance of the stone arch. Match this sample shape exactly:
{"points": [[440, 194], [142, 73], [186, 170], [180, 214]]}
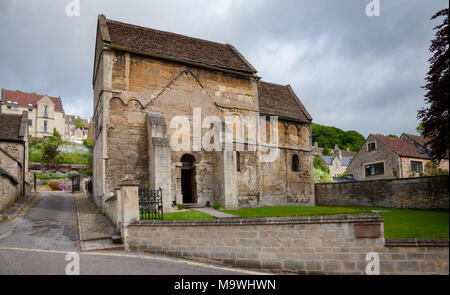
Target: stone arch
{"points": [[281, 133], [304, 137], [237, 126], [292, 135]]}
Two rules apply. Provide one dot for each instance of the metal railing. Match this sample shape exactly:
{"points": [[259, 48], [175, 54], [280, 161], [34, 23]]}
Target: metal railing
{"points": [[150, 204]]}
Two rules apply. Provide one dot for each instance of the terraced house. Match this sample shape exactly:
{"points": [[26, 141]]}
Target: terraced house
{"points": [[143, 79], [45, 112]]}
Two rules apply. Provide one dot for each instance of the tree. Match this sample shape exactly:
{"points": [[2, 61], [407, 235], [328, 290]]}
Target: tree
{"points": [[51, 144], [78, 122], [419, 128], [330, 136], [435, 117], [393, 135], [326, 151]]}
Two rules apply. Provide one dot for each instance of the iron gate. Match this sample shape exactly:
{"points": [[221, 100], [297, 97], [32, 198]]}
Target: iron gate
{"points": [[76, 183], [150, 204]]}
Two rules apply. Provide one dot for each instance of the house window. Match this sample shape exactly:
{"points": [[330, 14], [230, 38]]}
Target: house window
{"points": [[45, 126], [374, 169], [45, 111], [8, 107], [30, 122], [371, 146], [336, 164], [295, 163], [30, 110], [416, 167]]}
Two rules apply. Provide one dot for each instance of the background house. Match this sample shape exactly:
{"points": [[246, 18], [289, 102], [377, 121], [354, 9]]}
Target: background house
{"points": [[72, 133], [14, 176], [45, 113], [383, 157], [337, 164]]}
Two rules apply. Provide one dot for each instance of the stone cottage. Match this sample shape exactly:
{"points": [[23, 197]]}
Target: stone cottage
{"points": [[384, 157], [147, 83], [14, 176]]}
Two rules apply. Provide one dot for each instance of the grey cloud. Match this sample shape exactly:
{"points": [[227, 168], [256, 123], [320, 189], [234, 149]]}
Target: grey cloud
{"points": [[351, 71]]}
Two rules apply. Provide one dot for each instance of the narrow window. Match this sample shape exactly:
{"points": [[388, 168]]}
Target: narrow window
{"points": [[238, 161], [294, 163], [416, 167], [45, 126], [45, 111], [30, 122]]}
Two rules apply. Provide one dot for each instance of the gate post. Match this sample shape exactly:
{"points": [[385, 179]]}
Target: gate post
{"points": [[129, 201]]}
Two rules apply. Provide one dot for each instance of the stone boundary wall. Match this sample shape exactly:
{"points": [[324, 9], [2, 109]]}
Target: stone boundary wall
{"points": [[313, 245], [9, 191], [413, 193], [45, 167]]}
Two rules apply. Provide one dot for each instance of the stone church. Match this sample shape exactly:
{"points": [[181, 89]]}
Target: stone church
{"points": [[144, 80]]}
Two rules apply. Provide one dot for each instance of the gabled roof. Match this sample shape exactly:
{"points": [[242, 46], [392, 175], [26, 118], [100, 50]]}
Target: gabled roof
{"points": [[420, 140], [12, 127], [345, 161], [162, 44], [25, 99], [400, 147], [281, 101]]}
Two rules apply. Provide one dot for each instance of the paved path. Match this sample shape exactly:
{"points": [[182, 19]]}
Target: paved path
{"points": [[50, 224], [215, 213]]}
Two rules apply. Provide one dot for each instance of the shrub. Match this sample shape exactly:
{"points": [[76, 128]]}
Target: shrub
{"points": [[54, 185], [217, 205], [180, 206]]}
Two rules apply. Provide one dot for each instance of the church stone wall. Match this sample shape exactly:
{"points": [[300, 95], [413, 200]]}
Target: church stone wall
{"points": [[132, 84]]}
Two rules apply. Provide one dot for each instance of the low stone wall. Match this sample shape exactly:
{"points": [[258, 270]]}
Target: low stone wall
{"points": [[9, 191], [316, 245], [412, 193], [45, 167]]}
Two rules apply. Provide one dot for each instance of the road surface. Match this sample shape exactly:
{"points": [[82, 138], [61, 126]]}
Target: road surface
{"points": [[38, 245]]}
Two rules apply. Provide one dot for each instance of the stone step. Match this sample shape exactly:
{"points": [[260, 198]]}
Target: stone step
{"points": [[100, 245], [193, 205], [116, 239]]}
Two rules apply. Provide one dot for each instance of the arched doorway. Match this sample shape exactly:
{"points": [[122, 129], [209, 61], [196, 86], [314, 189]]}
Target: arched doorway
{"points": [[188, 179]]}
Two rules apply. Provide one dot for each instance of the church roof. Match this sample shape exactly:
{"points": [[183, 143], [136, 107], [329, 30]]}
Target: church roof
{"points": [[281, 101], [163, 44]]}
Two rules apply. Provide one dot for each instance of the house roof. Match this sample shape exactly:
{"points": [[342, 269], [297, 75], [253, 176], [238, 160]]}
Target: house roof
{"points": [[420, 140], [279, 100], [25, 99], [11, 127], [345, 161], [400, 147], [172, 46]]}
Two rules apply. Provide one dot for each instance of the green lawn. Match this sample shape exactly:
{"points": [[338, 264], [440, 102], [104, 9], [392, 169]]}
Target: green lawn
{"points": [[399, 223], [187, 215]]}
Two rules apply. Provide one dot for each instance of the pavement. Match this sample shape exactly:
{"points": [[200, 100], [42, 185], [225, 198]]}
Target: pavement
{"points": [[215, 213], [95, 228], [38, 241]]}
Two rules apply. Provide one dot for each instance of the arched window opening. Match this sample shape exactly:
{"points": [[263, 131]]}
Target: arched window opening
{"points": [[295, 163], [238, 161]]}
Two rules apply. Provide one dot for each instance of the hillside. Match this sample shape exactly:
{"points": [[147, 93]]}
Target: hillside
{"points": [[330, 136]]}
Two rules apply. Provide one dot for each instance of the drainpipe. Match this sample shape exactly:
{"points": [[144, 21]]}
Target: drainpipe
{"points": [[23, 168]]}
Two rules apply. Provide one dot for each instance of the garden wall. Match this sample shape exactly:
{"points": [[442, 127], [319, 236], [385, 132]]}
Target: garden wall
{"points": [[315, 245], [412, 193]]}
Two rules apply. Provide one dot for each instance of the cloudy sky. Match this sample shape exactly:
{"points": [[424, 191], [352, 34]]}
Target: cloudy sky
{"points": [[350, 70]]}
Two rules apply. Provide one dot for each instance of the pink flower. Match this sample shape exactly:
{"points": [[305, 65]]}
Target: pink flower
{"points": [[62, 187]]}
